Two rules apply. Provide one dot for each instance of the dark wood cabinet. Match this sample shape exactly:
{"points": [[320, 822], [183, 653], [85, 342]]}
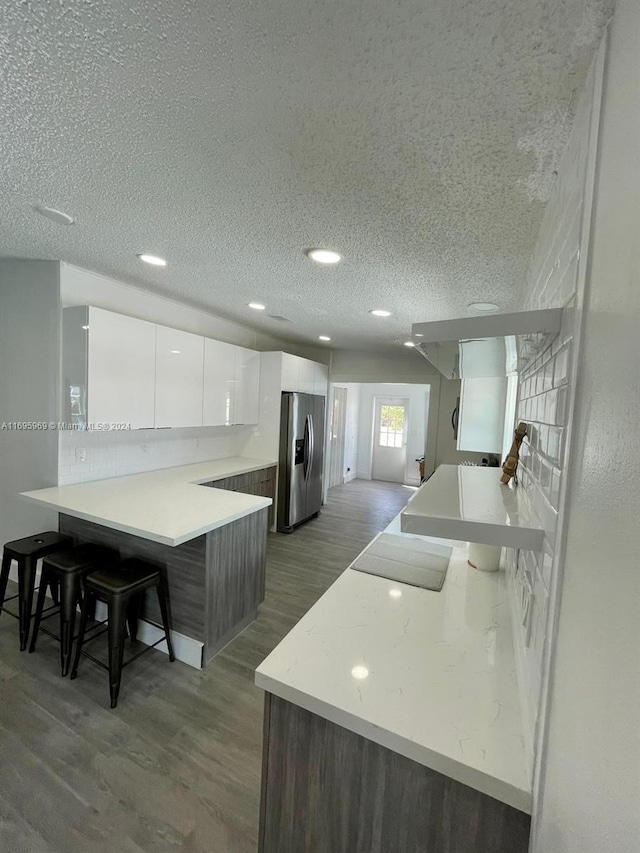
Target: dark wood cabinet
{"points": [[261, 483], [328, 790]]}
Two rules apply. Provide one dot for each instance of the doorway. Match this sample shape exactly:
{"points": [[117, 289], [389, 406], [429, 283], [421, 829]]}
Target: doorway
{"points": [[389, 460]]}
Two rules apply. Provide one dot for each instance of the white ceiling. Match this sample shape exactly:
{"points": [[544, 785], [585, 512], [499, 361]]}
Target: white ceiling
{"points": [[417, 137]]}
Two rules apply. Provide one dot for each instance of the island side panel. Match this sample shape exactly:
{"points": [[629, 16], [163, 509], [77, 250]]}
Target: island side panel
{"points": [[328, 790], [236, 558], [185, 565]]}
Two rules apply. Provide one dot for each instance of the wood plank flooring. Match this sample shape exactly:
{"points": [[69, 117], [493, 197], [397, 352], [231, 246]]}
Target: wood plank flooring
{"points": [[176, 767]]}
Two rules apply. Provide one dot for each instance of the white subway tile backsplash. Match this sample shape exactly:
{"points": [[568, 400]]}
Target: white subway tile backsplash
{"points": [[120, 453]]}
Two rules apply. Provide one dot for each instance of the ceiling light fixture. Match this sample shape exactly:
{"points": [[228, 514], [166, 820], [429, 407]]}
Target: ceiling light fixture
{"points": [[323, 256], [175, 352], [324, 338], [409, 344], [257, 306], [154, 260], [380, 312], [359, 672], [418, 335], [484, 306], [54, 215]]}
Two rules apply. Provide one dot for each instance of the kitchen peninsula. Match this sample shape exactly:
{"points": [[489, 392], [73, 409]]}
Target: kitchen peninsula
{"points": [[212, 541]]}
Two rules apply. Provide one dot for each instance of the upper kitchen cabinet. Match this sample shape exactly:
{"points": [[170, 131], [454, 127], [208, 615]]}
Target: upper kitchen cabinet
{"points": [[179, 378], [219, 390], [290, 367], [109, 367], [247, 386], [320, 379], [301, 374]]}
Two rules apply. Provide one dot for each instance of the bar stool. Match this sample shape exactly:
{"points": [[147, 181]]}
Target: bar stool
{"points": [[26, 552], [119, 587], [62, 573]]}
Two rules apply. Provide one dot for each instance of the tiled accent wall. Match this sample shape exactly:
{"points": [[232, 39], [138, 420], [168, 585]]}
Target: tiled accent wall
{"points": [[113, 454], [545, 396]]}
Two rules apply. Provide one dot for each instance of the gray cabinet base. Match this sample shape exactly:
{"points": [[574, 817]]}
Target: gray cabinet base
{"points": [[216, 581], [328, 790]]}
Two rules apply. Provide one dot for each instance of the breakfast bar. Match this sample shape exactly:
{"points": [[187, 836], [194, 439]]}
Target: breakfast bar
{"points": [[211, 541]]}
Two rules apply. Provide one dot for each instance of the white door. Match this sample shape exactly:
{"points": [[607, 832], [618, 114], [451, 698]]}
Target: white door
{"points": [[389, 460], [337, 431]]}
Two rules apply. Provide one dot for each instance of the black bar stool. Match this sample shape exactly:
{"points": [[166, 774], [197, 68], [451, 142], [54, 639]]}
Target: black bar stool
{"points": [[62, 573], [119, 587], [26, 552]]}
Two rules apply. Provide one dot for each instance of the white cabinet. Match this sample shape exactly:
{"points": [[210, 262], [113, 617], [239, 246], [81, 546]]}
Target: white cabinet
{"points": [[219, 383], [120, 369], [247, 386], [320, 379], [290, 372], [482, 414], [307, 376], [304, 375], [179, 378], [108, 368]]}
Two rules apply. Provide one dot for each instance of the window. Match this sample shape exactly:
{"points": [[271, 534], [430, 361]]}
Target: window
{"points": [[391, 426]]}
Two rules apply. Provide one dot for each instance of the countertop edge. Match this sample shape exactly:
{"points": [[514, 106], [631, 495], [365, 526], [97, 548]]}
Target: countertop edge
{"points": [[488, 784]]}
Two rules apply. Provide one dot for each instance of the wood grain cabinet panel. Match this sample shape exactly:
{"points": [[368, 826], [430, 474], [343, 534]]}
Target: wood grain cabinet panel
{"points": [[328, 790]]}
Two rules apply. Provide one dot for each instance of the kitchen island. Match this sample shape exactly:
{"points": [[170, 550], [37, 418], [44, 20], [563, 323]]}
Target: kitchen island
{"points": [[393, 722], [211, 541]]}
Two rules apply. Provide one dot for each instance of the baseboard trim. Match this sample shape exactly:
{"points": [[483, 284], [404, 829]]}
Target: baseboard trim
{"points": [[349, 477], [186, 649]]}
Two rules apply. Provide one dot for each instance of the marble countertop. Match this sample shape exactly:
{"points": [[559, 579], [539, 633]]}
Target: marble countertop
{"points": [[470, 503], [168, 506], [430, 675]]}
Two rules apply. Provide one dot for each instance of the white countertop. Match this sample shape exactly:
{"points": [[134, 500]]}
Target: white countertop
{"points": [[167, 506], [470, 503], [441, 686]]}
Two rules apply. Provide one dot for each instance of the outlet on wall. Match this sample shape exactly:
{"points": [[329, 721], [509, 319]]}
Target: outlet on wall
{"points": [[81, 454]]}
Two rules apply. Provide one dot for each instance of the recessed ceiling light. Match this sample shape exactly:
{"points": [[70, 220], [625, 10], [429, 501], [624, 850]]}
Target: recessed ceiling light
{"points": [[154, 260], [257, 306], [323, 256], [85, 328], [175, 352], [359, 672], [324, 338], [484, 306], [380, 312], [409, 344], [418, 335], [395, 593], [54, 215]]}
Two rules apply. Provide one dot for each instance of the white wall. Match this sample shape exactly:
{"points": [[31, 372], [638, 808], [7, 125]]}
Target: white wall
{"points": [[83, 287], [405, 365], [418, 409], [29, 382], [556, 278], [589, 800]]}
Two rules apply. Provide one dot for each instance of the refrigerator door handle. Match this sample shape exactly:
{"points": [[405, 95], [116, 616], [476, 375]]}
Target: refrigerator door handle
{"points": [[307, 447], [312, 443]]}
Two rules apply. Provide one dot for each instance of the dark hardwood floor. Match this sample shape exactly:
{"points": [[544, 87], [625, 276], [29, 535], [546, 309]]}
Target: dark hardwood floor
{"points": [[176, 767]]}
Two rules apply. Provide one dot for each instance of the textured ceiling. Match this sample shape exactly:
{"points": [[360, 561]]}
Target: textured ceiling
{"points": [[417, 137]]}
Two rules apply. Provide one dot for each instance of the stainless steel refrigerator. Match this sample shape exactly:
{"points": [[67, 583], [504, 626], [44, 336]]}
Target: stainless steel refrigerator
{"points": [[301, 454]]}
